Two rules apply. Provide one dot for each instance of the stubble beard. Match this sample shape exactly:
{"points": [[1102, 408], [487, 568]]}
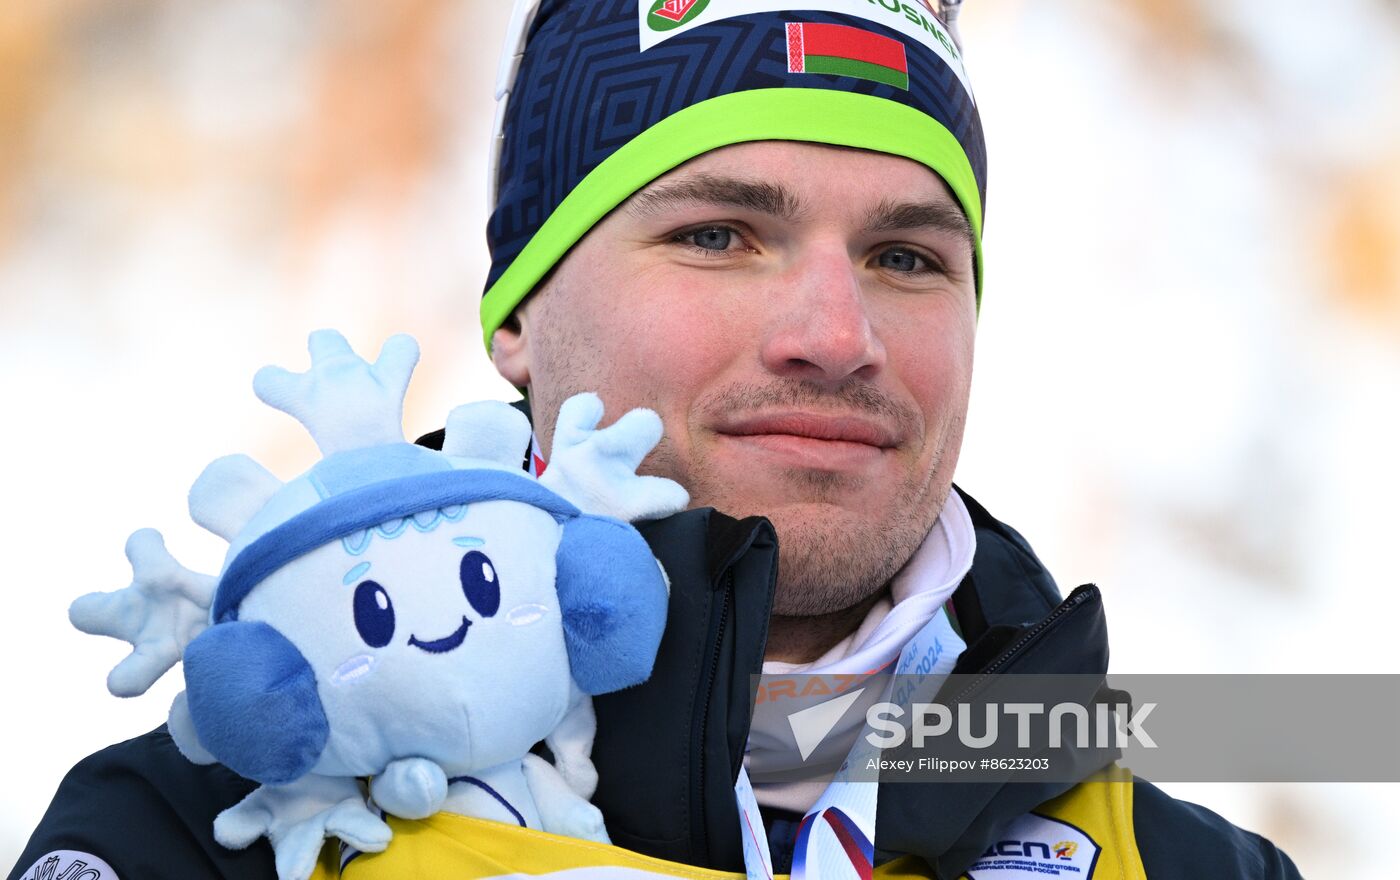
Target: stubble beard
{"points": [[830, 557]]}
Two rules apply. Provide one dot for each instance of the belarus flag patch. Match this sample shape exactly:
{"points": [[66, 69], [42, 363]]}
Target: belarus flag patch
{"points": [[841, 50]]}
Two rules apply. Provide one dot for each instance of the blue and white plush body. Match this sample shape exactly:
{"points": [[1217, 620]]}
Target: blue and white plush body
{"points": [[418, 618]]}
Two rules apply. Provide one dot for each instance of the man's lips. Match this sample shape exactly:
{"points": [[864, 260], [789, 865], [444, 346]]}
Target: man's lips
{"points": [[834, 443], [812, 426]]}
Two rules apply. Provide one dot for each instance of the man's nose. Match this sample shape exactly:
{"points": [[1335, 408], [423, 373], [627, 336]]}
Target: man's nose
{"points": [[821, 329]]}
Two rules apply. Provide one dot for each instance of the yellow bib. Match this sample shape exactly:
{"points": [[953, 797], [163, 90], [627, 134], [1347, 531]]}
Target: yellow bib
{"points": [[1086, 832]]}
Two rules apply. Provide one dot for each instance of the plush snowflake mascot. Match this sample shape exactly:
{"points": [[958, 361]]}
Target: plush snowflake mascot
{"points": [[421, 619]]}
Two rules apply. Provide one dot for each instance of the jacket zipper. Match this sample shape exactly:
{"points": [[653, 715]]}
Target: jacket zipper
{"points": [[707, 694], [1075, 600]]}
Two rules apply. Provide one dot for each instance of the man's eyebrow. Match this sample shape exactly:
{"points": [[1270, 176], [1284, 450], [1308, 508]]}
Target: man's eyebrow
{"points": [[707, 189], [939, 216]]}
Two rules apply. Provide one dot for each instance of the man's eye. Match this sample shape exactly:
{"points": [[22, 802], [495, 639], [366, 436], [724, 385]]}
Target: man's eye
{"points": [[903, 260], [707, 238]]}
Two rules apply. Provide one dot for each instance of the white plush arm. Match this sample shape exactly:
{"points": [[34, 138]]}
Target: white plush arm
{"points": [[571, 743], [597, 470], [161, 612], [344, 401], [561, 810]]}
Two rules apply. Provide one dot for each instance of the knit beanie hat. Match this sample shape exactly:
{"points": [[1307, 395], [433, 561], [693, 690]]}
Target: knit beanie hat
{"points": [[597, 98]]}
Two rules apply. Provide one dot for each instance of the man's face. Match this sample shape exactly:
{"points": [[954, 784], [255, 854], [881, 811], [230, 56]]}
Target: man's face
{"points": [[802, 318]]}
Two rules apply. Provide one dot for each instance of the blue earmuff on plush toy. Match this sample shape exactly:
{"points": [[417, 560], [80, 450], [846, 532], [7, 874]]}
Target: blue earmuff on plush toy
{"points": [[420, 618]]}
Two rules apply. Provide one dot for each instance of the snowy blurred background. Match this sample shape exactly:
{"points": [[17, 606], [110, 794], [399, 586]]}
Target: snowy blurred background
{"points": [[1189, 352]]}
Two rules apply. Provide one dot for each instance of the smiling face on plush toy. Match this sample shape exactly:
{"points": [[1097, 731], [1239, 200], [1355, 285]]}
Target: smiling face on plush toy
{"points": [[435, 636]]}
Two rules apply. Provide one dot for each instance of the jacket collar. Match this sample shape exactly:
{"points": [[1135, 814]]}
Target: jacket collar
{"points": [[1014, 623]]}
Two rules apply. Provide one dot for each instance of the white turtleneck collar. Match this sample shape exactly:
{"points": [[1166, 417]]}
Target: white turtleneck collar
{"points": [[916, 593]]}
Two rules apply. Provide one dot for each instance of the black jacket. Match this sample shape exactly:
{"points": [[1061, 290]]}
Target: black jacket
{"points": [[149, 813]]}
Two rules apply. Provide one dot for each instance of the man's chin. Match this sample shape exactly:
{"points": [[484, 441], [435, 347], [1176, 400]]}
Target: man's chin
{"points": [[832, 558]]}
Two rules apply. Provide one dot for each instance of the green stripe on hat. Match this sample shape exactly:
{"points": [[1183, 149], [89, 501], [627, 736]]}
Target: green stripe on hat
{"points": [[858, 69], [820, 116]]}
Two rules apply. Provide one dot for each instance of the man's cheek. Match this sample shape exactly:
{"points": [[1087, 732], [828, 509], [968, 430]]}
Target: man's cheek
{"points": [[941, 384]]}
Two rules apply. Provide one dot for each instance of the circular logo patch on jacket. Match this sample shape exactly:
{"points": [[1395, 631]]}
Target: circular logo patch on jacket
{"points": [[69, 864], [1040, 847]]}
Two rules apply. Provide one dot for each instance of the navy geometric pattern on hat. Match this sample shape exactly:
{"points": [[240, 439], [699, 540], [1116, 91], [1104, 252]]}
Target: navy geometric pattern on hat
{"points": [[584, 89]]}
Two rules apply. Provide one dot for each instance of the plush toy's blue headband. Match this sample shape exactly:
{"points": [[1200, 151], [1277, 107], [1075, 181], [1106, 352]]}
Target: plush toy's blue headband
{"points": [[366, 506]]}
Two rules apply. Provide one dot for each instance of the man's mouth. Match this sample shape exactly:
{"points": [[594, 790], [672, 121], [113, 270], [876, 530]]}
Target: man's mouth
{"points": [[826, 442], [813, 426], [445, 644]]}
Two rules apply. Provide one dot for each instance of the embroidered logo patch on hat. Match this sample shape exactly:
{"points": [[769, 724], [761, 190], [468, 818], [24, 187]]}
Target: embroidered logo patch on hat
{"points": [[668, 14], [842, 50]]}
